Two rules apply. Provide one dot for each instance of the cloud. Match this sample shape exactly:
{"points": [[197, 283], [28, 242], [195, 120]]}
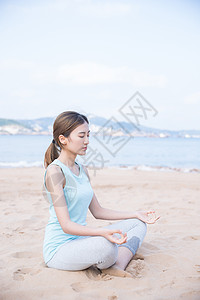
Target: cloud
{"points": [[90, 8], [23, 93], [15, 64], [83, 74], [193, 98], [87, 73], [105, 9]]}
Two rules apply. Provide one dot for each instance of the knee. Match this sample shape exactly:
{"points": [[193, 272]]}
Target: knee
{"points": [[109, 254], [142, 225]]}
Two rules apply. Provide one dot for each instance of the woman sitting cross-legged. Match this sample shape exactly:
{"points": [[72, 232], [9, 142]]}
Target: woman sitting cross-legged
{"points": [[69, 244]]}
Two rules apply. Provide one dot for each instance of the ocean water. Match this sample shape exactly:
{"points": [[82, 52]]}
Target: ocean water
{"points": [[142, 153]]}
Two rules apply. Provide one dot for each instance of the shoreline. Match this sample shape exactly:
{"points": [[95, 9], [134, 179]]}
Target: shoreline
{"points": [[23, 164]]}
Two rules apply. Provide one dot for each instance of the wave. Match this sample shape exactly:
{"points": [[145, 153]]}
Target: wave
{"points": [[162, 169], [156, 168], [21, 164], [26, 164]]}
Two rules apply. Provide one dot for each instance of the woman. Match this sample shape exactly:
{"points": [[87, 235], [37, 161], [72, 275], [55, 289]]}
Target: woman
{"points": [[69, 244]]}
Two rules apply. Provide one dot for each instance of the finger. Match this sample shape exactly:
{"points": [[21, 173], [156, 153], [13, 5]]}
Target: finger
{"points": [[156, 218], [116, 231], [122, 235], [116, 238], [121, 240], [153, 221], [117, 241]]}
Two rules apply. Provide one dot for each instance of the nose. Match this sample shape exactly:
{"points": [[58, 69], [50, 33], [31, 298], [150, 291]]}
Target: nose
{"points": [[86, 141]]}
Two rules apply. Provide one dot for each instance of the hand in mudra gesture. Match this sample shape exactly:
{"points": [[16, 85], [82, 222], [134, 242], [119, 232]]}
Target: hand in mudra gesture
{"points": [[148, 217], [109, 235]]}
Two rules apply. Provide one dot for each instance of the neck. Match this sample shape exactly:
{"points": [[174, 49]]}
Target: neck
{"points": [[67, 159]]}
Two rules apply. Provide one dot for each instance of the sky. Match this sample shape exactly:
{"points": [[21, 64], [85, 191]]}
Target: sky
{"points": [[92, 56]]}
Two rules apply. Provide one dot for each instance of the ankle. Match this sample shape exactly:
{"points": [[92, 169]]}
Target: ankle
{"points": [[120, 266]]}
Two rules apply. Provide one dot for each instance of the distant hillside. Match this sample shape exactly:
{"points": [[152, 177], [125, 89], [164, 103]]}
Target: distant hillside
{"points": [[8, 126], [40, 125], [5, 122], [43, 126]]}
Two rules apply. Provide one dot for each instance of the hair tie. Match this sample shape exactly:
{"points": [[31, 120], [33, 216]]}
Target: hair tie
{"points": [[53, 141]]}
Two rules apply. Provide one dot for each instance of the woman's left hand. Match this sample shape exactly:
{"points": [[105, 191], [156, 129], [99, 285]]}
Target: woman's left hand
{"points": [[148, 217]]}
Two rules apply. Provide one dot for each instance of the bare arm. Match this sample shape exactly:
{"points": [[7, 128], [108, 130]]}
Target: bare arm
{"points": [[100, 212], [55, 181], [109, 214]]}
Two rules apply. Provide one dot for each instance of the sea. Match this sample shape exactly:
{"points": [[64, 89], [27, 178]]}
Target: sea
{"points": [[142, 153]]}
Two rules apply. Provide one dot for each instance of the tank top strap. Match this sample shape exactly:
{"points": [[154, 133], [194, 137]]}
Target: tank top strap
{"points": [[67, 171]]}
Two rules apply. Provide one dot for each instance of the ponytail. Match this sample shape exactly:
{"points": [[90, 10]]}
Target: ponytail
{"points": [[51, 154]]}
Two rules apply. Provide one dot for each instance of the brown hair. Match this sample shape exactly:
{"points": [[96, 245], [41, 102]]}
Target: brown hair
{"points": [[64, 124]]}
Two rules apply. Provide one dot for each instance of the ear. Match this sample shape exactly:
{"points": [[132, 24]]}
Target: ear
{"points": [[62, 139]]}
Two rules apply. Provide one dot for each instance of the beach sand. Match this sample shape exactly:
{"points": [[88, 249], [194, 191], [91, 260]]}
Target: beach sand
{"points": [[167, 265]]}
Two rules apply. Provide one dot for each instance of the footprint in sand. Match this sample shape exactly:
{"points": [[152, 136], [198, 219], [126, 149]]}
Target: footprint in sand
{"points": [[197, 268], [161, 259], [94, 273], [7, 235], [136, 267], [191, 237], [114, 297], [2, 264], [25, 254], [147, 247], [78, 286], [138, 256], [19, 274], [191, 295]]}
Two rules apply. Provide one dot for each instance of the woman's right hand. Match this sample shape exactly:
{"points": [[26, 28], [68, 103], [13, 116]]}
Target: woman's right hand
{"points": [[108, 234]]}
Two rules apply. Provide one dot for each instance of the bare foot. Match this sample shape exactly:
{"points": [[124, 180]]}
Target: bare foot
{"points": [[115, 271]]}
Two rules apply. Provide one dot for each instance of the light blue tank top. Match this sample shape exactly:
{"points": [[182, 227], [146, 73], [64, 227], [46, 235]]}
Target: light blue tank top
{"points": [[78, 194]]}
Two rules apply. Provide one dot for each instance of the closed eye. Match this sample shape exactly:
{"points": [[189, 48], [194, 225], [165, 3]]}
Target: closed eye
{"points": [[83, 136]]}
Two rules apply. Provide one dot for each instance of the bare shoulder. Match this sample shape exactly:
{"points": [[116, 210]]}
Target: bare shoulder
{"points": [[54, 169], [54, 175]]}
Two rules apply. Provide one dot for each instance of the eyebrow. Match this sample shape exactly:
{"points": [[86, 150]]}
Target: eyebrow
{"points": [[83, 131]]}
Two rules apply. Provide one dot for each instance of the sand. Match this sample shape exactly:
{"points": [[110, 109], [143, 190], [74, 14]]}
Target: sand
{"points": [[167, 265]]}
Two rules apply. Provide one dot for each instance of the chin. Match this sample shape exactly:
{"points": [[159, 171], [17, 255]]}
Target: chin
{"points": [[81, 153]]}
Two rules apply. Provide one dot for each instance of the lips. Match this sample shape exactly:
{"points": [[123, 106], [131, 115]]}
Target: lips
{"points": [[85, 148]]}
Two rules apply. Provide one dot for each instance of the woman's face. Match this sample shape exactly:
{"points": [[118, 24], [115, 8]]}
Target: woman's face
{"points": [[78, 140]]}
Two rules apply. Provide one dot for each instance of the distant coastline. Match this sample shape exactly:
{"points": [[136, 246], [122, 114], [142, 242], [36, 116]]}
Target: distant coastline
{"points": [[98, 125]]}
